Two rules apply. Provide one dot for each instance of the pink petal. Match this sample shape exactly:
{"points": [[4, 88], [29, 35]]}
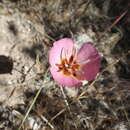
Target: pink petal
{"points": [[91, 69], [90, 60], [87, 51], [64, 46], [64, 80]]}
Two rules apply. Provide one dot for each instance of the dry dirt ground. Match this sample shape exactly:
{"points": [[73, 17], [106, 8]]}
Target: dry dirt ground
{"points": [[28, 29]]}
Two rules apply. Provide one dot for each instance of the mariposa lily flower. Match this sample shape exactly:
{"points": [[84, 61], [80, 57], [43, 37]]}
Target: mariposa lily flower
{"points": [[69, 66]]}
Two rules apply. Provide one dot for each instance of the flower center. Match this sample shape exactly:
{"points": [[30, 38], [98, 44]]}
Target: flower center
{"points": [[68, 67]]}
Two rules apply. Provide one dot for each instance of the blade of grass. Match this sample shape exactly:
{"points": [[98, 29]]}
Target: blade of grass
{"points": [[114, 23], [45, 120], [33, 102]]}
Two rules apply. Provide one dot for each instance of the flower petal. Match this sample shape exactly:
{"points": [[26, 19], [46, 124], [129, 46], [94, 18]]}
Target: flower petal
{"points": [[91, 69], [64, 80], [60, 48], [86, 52], [90, 60]]}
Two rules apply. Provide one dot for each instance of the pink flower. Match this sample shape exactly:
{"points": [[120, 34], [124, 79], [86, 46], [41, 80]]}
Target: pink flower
{"points": [[70, 67]]}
